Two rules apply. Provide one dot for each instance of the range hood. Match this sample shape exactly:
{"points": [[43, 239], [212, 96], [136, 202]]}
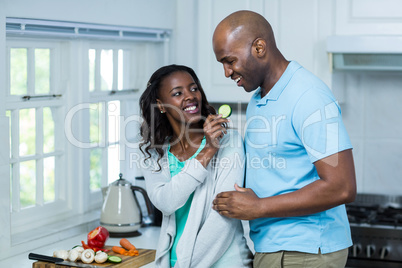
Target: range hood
{"points": [[377, 53]]}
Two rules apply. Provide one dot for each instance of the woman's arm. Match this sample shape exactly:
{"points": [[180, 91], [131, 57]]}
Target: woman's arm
{"points": [[217, 232], [169, 194]]}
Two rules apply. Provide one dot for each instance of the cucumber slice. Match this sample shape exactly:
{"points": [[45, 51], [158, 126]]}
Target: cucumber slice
{"points": [[225, 110], [114, 259]]}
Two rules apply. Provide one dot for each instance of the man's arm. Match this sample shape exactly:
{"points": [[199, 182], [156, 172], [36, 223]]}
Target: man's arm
{"points": [[336, 186]]}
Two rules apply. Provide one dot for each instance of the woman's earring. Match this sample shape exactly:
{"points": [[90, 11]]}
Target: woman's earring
{"points": [[162, 112]]}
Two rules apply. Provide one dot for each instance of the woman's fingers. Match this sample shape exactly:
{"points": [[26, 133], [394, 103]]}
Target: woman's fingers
{"points": [[213, 126]]}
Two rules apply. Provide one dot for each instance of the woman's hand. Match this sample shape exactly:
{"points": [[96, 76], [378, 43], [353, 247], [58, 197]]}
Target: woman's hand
{"points": [[213, 131]]}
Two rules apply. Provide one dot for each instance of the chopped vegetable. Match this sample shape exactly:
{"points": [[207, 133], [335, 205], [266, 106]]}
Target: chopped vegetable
{"points": [[88, 256], [85, 246], [74, 254], [114, 259], [80, 249], [63, 254], [126, 244], [101, 257], [98, 237], [119, 250], [225, 110], [132, 250], [122, 251]]}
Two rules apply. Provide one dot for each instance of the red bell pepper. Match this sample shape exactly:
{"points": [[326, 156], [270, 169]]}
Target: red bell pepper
{"points": [[98, 237]]}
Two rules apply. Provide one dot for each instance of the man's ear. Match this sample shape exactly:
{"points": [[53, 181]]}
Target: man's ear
{"points": [[259, 47]]}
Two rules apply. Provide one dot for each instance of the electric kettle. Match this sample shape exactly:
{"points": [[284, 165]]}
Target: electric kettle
{"points": [[121, 213]]}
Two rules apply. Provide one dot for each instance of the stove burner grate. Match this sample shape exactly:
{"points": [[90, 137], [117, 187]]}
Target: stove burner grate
{"points": [[374, 214]]}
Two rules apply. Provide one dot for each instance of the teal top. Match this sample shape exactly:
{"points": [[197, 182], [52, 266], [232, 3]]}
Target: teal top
{"points": [[181, 214]]}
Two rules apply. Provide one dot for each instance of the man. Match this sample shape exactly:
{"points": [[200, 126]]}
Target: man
{"points": [[300, 169]]}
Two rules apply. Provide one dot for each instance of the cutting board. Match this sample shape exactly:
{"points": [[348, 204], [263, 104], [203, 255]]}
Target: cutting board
{"points": [[146, 256]]}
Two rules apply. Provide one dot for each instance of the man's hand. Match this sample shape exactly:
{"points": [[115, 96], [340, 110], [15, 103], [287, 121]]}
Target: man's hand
{"points": [[240, 204]]}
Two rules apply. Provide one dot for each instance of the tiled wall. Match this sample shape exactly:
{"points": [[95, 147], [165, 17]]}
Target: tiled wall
{"points": [[372, 113]]}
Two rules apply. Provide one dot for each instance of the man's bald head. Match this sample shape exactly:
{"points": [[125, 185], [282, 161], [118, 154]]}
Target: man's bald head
{"points": [[245, 25], [244, 43]]}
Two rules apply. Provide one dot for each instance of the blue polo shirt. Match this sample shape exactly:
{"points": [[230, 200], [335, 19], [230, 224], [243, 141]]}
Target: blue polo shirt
{"points": [[297, 123]]}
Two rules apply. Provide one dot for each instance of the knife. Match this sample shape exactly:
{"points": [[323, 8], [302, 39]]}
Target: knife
{"points": [[59, 261]]}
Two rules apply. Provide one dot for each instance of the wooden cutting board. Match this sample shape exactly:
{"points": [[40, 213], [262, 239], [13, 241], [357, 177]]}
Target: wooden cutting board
{"points": [[146, 256]]}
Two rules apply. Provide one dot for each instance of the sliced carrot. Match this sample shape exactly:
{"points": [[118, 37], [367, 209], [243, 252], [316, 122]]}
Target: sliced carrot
{"points": [[133, 252], [126, 244], [119, 250]]}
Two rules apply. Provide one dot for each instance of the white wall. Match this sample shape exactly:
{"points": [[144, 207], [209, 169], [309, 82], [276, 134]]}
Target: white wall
{"points": [[150, 13]]}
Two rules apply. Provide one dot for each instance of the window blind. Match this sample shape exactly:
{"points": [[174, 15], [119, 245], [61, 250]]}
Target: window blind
{"points": [[65, 29]]}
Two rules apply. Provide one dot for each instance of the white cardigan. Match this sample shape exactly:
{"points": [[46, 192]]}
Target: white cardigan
{"points": [[209, 239]]}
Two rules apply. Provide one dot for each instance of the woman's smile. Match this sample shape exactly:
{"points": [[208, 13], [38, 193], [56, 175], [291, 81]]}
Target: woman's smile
{"points": [[191, 108]]}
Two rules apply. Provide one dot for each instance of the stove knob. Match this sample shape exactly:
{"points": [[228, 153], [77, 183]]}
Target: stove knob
{"points": [[384, 252], [356, 249], [370, 250]]}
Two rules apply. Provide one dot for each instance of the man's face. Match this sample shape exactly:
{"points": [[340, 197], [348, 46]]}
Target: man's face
{"points": [[238, 62]]}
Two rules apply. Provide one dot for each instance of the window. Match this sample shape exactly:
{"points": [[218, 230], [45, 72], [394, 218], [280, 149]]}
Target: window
{"points": [[35, 118], [69, 102], [112, 82]]}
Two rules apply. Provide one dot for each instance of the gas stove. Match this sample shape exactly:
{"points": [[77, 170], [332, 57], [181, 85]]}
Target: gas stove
{"points": [[376, 227]]}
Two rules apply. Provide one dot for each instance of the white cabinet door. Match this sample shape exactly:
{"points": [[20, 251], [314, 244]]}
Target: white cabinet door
{"points": [[217, 87], [368, 17]]}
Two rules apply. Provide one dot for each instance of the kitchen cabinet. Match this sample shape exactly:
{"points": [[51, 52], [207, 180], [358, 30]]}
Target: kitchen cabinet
{"points": [[368, 17]]}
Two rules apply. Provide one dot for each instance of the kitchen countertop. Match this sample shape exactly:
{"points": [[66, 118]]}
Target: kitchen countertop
{"points": [[148, 239]]}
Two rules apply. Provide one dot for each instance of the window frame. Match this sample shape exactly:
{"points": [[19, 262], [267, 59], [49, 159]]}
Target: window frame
{"points": [[134, 78], [14, 103]]}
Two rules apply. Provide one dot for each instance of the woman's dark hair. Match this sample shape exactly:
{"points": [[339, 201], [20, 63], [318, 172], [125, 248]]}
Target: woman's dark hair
{"points": [[156, 129]]}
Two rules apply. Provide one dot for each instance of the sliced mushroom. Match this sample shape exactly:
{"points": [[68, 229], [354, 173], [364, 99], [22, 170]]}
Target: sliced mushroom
{"points": [[63, 254], [88, 256], [79, 249], [100, 257], [74, 255]]}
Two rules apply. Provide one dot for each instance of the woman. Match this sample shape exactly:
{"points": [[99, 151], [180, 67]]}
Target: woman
{"points": [[189, 158]]}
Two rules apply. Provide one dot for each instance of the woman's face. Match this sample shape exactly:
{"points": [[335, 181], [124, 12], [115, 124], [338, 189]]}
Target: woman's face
{"points": [[180, 98]]}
